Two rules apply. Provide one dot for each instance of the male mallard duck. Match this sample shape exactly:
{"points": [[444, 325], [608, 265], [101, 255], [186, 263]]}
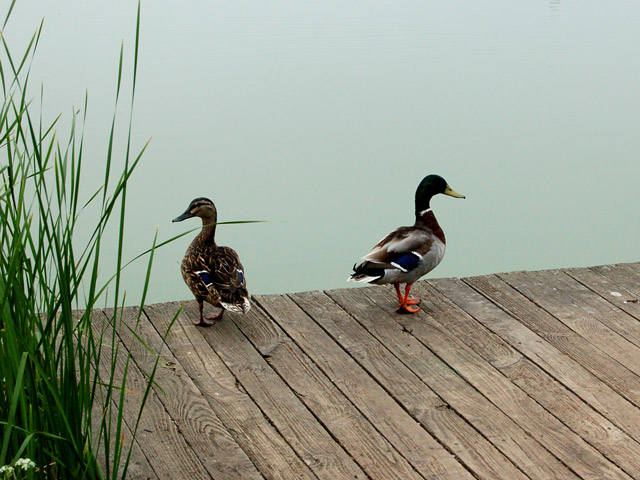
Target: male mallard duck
{"points": [[214, 274], [408, 253]]}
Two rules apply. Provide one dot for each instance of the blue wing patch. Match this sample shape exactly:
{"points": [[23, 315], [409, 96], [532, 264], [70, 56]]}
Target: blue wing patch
{"points": [[407, 262], [204, 276]]}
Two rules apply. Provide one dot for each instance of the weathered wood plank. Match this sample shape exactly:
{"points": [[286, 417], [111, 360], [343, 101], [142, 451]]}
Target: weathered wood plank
{"points": [[618, 285], [550, 359], [198, 423], [268, 450], [520, 375], [326, 458], [352, 430], [608, 307], [559, 335], [139, 467], [414, 374], [579, 309], [157, 434], [570, 448], [429, 458], [614, 443], [626, 275]]}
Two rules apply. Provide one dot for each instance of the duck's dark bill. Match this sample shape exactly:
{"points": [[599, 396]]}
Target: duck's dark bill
{"points": [[184, 216], [451, 192]]}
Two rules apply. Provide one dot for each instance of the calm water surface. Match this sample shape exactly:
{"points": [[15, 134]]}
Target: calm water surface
{"points": [[322, 117]]}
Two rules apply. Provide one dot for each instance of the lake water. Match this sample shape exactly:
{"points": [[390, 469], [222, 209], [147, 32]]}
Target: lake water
{"points": [[322, 118]]}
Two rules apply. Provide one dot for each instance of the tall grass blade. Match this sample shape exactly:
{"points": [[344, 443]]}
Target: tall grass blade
{"points": [[57, 371]]}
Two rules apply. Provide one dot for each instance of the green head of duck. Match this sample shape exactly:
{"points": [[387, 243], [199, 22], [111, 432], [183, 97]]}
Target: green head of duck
{"points": [[432, 185]]}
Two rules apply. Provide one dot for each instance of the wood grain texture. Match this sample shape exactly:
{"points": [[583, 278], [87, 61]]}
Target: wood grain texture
{"points": [[623, 300], [559, 335], [157, 434], [197, 421], [578, 308], [567, 406], [424, 453], [431, 391], [523, 375], [326, 458], [378, 457], [618, 285], [568, 447], [549, 358], [264, 445], [139, 466]]}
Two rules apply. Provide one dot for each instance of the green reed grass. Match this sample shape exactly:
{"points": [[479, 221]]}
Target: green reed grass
{"points": [[60, 393]]}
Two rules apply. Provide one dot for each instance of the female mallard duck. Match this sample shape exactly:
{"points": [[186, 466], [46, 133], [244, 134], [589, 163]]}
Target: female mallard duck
{"points": [[408, 253], [214, 274]]}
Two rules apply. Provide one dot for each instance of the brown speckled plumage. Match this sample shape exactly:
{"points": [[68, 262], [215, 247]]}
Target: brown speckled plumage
{"points": [[214, 274]]}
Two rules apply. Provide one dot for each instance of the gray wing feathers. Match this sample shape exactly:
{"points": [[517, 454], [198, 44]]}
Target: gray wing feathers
{"points": [[404, 239]]}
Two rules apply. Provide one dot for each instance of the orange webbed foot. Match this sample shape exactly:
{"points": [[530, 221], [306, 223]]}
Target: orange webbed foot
{"points": [[406, 308], [406, 301]]}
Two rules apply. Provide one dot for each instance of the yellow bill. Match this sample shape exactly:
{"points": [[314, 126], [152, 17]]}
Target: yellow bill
{"points": [[452, 193]]}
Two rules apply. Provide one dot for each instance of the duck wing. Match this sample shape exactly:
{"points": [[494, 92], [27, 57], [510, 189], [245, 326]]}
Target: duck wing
{"points": [[399, 253], [402, 242], [218, 276], [196, 271]]}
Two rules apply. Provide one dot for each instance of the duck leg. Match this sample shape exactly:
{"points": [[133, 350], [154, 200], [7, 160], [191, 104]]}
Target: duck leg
{"points": [[214, 316], [410, 300], [205, 320], [406, 301], [400, 297]]}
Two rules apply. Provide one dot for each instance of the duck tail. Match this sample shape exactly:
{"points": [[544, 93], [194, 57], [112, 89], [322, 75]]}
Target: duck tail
{"points": [[362, 278], [241, 307], [364, 273]]}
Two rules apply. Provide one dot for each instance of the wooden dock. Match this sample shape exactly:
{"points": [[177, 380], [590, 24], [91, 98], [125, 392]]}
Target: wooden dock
{"points": [[525, 375]]}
